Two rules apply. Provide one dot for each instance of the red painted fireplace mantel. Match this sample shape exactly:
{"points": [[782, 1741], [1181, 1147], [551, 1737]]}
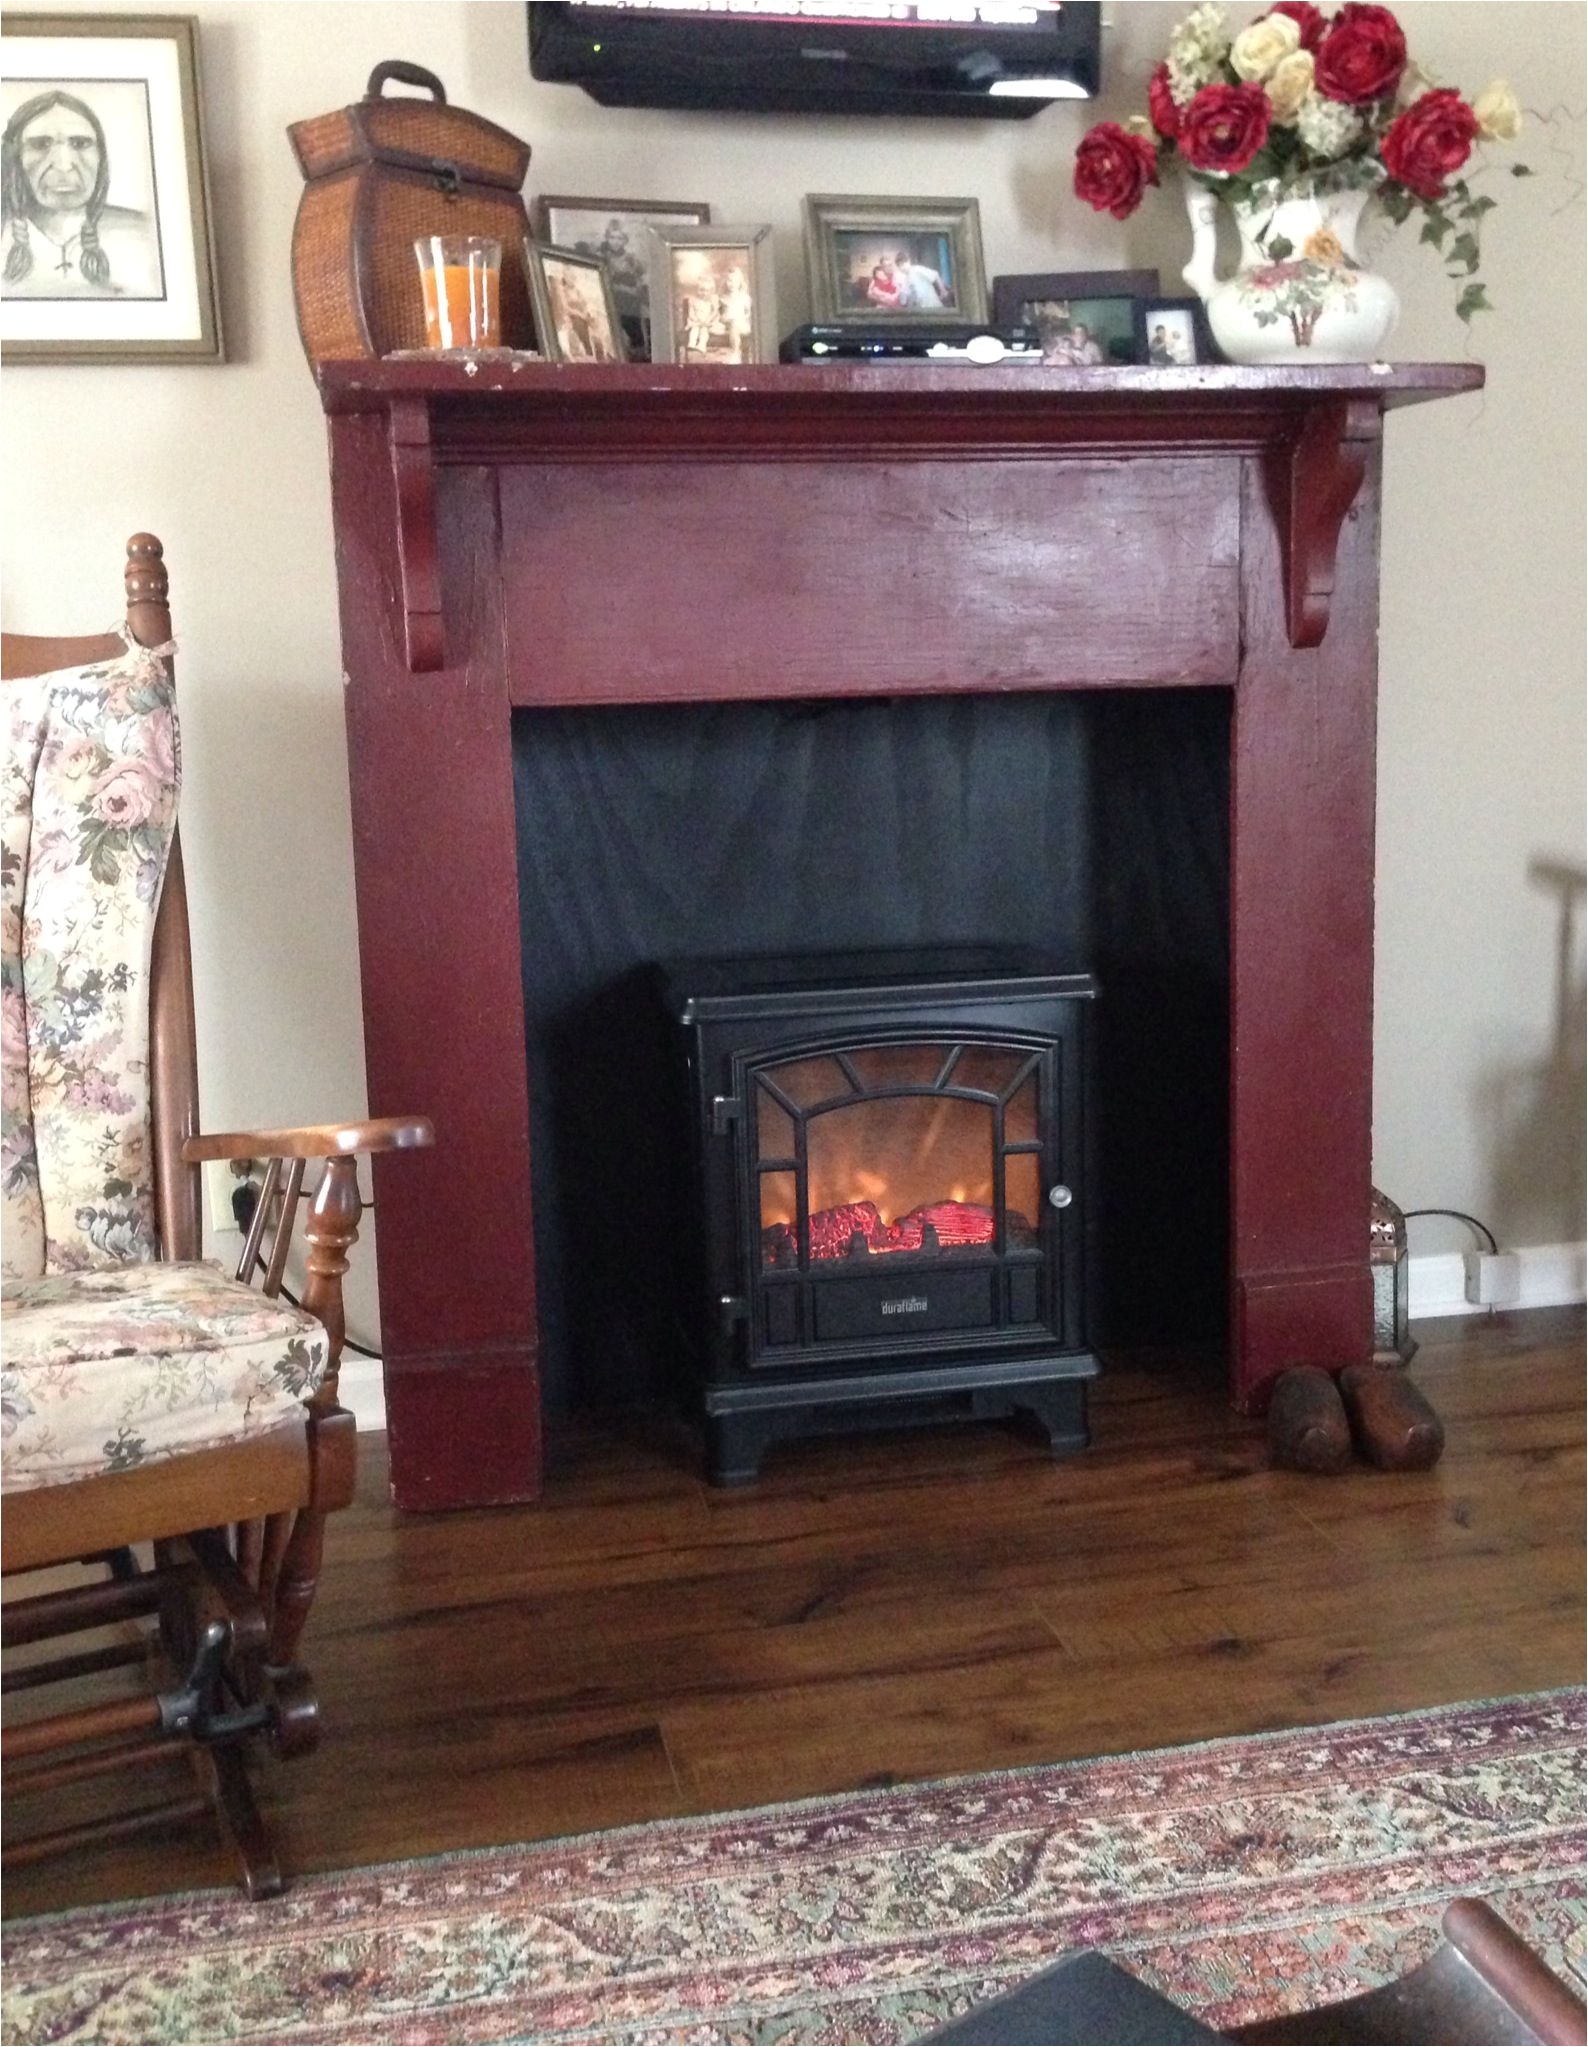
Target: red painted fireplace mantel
{"points": [[535, 534]]}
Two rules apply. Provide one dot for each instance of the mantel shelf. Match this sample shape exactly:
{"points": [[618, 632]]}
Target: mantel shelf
{"points": [[795, 388], [1315, 428]]}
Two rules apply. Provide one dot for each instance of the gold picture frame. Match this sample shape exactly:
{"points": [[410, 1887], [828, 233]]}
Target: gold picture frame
{"points": [[910, 262], [106, 246]]}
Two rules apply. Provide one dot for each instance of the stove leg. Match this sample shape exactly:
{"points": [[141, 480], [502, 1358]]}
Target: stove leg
{"points": [[1060, 1411], [736, 1443]]}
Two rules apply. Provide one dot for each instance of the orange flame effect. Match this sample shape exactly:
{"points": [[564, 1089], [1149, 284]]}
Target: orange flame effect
{"points": [[900, 1153]]}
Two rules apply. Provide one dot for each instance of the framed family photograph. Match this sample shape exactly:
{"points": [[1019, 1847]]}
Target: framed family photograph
{"points": [[713, 299], [917, 261], [1174, 333], [105, 243], [576, 315], [615, 230], [1085, 319]]}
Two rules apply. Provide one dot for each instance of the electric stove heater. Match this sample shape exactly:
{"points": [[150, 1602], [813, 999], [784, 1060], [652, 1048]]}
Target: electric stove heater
{"points": [[891, 1202]]}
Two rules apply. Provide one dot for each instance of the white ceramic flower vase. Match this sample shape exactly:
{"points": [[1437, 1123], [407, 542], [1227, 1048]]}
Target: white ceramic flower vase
{"points": [[1299, 294]]}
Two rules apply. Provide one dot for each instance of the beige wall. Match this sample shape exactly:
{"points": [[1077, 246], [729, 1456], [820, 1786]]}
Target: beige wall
{"points": [[1478, 1103]]}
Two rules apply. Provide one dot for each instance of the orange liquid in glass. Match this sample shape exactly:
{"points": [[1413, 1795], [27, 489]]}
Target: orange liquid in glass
{"points": [[461, 308]]}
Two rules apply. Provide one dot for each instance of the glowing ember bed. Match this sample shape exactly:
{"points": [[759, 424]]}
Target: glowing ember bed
{"points": [[893, 1186]]}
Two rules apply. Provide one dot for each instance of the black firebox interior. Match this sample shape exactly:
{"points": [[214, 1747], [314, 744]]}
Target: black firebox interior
{"points": [[1091, 829]]}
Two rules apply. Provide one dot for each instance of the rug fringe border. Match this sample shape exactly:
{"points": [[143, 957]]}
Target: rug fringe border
{"points": [[789, 1810]]}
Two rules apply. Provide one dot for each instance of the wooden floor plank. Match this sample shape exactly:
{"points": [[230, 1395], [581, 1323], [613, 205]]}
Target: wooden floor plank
{"points": [[639, 1646]]}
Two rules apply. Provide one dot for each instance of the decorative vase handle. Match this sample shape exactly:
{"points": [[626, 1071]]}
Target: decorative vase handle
{"points": [[1201, 273]]}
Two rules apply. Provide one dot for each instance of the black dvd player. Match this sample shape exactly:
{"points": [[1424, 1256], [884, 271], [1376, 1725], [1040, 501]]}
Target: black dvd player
{"points": [[896, 341]]}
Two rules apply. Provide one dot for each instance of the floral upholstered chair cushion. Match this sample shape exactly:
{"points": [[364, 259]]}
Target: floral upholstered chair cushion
{"points": [[91, 780], [111, 1369], [110, 1358]]}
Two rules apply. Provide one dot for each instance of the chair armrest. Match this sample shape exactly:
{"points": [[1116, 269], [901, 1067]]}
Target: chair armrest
{"points": [[317, 1141]]}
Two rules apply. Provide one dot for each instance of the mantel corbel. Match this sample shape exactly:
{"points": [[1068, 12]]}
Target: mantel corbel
{"points": [[413, 474], [1314, 478]]}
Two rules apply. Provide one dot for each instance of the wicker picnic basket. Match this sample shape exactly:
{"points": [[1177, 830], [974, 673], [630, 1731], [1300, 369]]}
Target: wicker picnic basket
{"points": [[379, 174]]}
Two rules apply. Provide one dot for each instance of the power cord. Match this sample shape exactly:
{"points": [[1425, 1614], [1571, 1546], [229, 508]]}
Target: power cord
{"points": [[1458, 1215], [245, 1200]]}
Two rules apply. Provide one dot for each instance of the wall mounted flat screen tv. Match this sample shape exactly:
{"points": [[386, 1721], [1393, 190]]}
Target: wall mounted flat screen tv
{"points": [[821, 56]]}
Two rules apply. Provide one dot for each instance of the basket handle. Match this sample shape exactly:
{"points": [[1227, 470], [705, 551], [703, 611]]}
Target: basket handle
{"points": [[405, 74]]}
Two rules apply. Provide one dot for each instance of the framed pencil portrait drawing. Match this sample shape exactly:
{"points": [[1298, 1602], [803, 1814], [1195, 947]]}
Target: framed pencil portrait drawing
{"points": [[105, 243]]}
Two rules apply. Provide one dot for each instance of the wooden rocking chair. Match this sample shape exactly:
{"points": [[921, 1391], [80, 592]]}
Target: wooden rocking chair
{"points": [[213, 1551]]}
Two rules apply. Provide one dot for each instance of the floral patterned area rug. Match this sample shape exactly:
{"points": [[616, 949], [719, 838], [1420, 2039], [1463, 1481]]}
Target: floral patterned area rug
{"points": [[1241, 1877]]}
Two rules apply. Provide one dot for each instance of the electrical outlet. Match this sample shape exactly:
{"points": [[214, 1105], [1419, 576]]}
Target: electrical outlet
{"points": [[1494, 1278], [221, 1178]]}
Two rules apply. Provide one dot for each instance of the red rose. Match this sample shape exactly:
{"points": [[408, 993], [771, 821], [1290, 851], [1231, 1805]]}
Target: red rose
{"points": [[1113, 168], [1161, 105], [1429, 142], [1308, 19], [1362, 57], [1224, 127]]}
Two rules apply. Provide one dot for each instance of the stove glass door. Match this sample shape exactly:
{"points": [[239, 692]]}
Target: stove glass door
{"points": [[901, 1197]]}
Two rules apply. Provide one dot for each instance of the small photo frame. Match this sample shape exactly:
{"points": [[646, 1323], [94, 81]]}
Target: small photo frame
{"points": [[1174, 333], [1017, 300], [713, 298], [576, 317], [1085, 319], [914, 261], [105, 244], [615, 231]]}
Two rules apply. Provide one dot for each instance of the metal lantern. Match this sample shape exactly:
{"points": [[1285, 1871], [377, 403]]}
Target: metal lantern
{"points": [[1392, 1338]]}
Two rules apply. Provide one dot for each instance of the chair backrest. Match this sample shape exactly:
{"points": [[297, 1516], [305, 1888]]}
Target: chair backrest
{"points": [[173, 1065]]}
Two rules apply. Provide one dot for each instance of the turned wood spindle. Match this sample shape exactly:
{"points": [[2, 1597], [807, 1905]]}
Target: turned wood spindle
{"points": [[330, 1232], [148, 591]]}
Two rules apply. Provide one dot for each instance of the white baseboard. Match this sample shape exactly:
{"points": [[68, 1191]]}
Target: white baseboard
{"points": [[361, 1387], [1552, 1277]]}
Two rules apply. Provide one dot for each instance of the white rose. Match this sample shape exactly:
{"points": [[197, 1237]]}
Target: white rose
{"points": [[1258, 50], [1499, 112], [1289, 84]]}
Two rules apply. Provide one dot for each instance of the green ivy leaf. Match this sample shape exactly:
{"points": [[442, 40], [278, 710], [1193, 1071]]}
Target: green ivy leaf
{"points": [[1279, 248], [1473, 300], [1464, 250], [1520, 170], [1435, 228], [1397, 203], [1475, 209]]}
